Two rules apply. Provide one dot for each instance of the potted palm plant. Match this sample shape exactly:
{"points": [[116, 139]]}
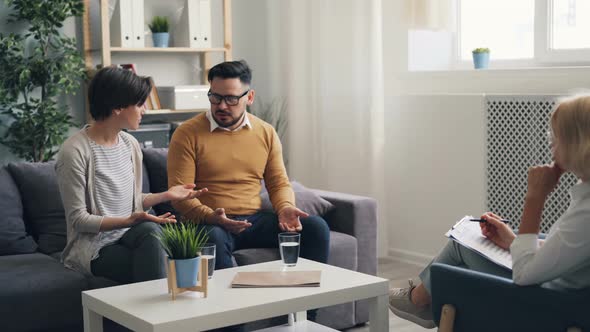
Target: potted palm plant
{"points": [[183, 242], [481, 57], [159, 28]]}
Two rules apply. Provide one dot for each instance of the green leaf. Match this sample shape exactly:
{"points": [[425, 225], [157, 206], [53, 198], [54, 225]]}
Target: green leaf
{"points": [[159, 24], [182, 240]]}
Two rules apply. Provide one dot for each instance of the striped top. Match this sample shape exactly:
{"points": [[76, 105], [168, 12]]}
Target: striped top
{"points": [[114, 183]]}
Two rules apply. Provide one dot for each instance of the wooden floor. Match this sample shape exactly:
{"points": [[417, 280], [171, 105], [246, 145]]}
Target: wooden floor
{"points": [[398, 273]]}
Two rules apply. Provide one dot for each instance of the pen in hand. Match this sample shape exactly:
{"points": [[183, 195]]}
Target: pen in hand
{"points": [[506, 221]]}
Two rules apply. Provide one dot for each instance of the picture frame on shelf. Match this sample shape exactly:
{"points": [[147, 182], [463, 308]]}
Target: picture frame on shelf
{"points": [[153, 99]]}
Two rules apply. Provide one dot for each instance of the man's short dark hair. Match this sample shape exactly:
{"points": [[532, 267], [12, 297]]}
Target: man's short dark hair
{"points": [[113, 88], [232, 69]]}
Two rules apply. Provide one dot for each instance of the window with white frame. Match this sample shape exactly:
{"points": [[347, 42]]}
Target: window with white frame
{"points": [[506, 27], [519, 33], [570, 24]]}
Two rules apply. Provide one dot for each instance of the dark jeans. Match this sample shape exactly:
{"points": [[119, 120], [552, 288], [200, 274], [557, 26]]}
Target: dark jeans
{"points": [[137, 256], [315, 239]]}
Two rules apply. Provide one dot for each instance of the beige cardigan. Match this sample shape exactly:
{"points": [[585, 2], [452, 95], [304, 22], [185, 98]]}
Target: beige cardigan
{"points": [[75, 176]]}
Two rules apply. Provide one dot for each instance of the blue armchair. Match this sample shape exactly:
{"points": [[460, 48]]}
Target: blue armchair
{"points": [[465, 300]]}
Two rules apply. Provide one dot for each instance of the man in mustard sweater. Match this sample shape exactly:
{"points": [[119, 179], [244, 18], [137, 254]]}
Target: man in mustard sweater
{"points": [[229, 151]]}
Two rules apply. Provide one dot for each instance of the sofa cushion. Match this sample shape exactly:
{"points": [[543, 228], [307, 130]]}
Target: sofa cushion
{"points": [[43, 208], [145, 180], [305, 199], [38, 291], [155, 161], [14, 239]]}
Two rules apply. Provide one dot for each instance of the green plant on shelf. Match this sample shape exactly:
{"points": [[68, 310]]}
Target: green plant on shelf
{"points": [[159, 24]]}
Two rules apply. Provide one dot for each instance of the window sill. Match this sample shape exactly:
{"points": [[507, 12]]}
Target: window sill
{"points": [[535, 71], [559, 80]]}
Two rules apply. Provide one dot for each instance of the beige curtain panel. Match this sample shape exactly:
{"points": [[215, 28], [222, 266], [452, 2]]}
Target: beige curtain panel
{"points": [[431, 14]]}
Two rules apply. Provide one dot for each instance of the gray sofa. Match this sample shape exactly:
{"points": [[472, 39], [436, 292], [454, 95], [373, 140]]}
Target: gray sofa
{"points": [[39, 294]]}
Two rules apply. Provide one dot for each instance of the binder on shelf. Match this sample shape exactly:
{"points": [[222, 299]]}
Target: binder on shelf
{"points": [[138, 23], [154, 98], [194, 27], [127, 24]]}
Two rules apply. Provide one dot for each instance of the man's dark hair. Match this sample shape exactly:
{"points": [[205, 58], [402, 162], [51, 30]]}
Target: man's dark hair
{"points": [[113, 88], [232, 69]]}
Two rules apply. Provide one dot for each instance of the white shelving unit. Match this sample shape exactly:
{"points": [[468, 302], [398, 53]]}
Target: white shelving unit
{"points": [[106, 50]]}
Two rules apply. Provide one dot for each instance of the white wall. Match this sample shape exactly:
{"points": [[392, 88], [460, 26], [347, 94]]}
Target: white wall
{"points": [[435, 169], [255, 38]]}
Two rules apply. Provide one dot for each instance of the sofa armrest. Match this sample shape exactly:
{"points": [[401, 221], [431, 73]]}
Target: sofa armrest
{"points": [[485, 302], [355, 216]]}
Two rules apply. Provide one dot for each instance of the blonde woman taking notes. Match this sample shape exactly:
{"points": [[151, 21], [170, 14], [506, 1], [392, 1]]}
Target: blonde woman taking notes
{"points": [[562, 261]]}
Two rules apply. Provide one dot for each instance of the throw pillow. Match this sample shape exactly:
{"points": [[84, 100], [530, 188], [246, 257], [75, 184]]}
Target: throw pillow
{"points": [[14, 239], [305, 199], [43, 208]]}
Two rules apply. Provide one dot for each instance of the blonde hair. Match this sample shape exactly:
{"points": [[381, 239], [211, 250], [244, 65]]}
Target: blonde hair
{"points": [[571, 126]]}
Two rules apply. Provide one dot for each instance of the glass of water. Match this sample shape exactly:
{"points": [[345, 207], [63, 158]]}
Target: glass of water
{"points": [[208, 251], [289, 247]]}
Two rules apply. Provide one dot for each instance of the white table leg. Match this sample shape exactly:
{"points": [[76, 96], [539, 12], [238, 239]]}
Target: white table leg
{"points": [[378, 314], [300, 316], [92, 321]]}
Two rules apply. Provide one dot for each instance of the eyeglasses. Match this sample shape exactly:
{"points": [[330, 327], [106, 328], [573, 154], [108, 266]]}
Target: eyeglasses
{"points": [[230, 100]]}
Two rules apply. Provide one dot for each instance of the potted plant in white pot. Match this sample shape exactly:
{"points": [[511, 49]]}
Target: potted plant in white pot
{"points": [[183, 242], [481, 57], [159, 28]]}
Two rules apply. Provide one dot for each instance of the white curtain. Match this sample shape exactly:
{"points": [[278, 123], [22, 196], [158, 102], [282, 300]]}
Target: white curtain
{"points": [[329, 63], [431, 14]]}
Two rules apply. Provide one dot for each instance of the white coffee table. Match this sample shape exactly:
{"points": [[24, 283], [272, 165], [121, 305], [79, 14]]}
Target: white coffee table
{"points": [[147, 306]]}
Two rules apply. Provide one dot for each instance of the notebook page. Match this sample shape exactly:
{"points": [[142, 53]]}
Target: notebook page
{"points": [[468, 233]]}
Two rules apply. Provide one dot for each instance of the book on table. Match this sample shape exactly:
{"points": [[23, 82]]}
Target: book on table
{"points": [[277, 279]]}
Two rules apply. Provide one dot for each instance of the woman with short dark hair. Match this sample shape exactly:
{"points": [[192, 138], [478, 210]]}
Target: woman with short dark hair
{"points": [[100, 180]]}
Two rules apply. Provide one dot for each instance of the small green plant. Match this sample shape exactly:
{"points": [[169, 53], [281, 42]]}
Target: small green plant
{"points": [[182, 240], [481, 50], [159, 24]]}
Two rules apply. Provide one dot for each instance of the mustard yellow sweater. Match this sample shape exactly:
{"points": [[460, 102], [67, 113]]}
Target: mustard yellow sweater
{"points": [[231, 165]]}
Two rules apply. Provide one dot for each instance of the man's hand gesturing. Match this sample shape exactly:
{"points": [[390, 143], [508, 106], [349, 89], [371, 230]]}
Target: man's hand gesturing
{"points": [[234, 226], [289, 219]]}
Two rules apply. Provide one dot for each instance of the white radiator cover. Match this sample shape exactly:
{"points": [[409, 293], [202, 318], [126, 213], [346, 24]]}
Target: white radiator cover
{"points": [[516, 139]]}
